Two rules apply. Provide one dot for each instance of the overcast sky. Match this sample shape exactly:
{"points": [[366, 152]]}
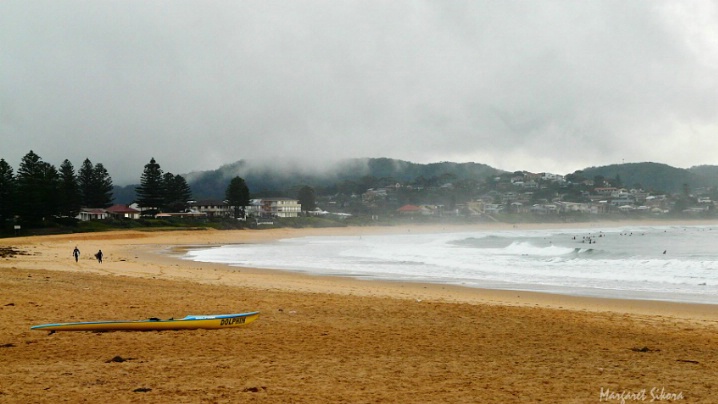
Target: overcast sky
{"points": [[520, 85]]}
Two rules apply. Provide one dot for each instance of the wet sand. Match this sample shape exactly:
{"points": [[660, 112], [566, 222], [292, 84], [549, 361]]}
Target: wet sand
{"points": [[325, 339]]}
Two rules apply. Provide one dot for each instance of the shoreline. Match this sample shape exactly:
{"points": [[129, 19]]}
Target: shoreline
{"points": [[159, 251], [319, 338], [496, 287]]}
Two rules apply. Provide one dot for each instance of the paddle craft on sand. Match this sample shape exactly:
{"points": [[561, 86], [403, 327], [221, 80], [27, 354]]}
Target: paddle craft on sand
{"points": [[209, 322]]}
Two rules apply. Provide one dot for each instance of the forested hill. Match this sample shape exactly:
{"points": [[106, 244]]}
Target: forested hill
{"points": [[709, 172], [655, 176], [284, 180], [280, 180]]}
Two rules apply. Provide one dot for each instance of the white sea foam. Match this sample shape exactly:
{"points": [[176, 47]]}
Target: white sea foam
{"points": [[662, 263]]}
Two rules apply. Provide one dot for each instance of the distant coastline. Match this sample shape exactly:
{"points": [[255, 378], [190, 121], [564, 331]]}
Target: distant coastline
{"points": [[523, 257]]}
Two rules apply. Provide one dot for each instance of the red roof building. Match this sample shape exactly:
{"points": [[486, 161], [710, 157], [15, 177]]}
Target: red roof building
{"points": [[123, 212], [409, 209]]}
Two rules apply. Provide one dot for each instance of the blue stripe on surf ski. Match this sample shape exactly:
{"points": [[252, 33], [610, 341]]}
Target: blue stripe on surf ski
{"points": [[188, 318]]}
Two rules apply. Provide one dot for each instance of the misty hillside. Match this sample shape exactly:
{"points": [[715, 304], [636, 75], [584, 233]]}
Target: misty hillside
{"points": [[284, 180], [656, 177], [705, 171], [278, 180]]}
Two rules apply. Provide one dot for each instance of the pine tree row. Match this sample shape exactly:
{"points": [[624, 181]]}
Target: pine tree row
{"points": [[39, 192]]}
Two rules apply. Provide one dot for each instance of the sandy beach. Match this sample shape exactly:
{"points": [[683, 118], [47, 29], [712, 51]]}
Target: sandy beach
{"points": [[325, 339]]}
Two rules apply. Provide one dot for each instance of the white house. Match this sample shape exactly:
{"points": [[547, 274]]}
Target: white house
{"points": [[274, 207], [92, 214], [211, 208]]}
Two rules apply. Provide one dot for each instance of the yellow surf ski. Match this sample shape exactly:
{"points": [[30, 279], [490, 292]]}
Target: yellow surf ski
{"points": [[209, 322]]}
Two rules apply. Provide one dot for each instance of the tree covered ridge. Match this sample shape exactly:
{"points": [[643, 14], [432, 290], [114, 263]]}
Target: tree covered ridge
{"points": [[657, 176], [358, 175]]}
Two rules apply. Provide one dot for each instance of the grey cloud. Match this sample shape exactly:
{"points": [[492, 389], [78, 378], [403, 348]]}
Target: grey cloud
{"points": [[544, 86]]}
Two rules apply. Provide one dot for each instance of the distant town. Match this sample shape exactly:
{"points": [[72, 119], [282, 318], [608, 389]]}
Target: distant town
{"points": [[358, 192], [508, 197]]}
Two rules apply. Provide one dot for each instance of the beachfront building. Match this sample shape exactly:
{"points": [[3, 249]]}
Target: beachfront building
{"points": [[123, 212], [274, 207], [182, 215], [92, 214], [409, 210], [211, 208]]}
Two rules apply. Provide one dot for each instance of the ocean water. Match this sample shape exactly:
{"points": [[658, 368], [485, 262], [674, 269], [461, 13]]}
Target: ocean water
{"points": [[670, 263]]}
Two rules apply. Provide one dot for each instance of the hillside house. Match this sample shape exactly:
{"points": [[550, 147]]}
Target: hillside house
{"points": [[409, 210], [475, 208], [605, 191]]}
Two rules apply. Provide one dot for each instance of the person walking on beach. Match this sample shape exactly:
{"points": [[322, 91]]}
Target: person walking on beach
{"points": [[76, 253], [99, 256]]}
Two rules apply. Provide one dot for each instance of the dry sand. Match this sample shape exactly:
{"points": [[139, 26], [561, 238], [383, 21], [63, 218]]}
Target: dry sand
{"points": [[324, 339]]}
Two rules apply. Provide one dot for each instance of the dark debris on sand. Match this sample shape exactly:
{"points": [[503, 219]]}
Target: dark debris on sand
{"points": [[10, 252]]}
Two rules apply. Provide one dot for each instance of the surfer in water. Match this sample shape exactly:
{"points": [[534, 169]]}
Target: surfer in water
{"points": [[76, 253], [99, 256]]}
